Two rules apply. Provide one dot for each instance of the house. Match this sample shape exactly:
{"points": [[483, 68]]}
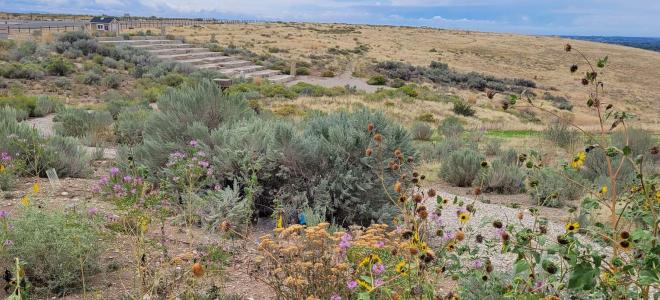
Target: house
{"points": [[104, 23]]}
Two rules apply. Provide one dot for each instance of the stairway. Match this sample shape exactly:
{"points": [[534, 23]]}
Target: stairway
{"points": [[202, 58]]}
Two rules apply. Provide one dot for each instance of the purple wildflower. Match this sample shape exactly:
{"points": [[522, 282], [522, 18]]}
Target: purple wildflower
{"points": [[104, 180], [8, 243], [193, 143], [378, 282], [203, 163], [380, 244], [114, 171], [335, 297], [477, 264], [352, 284], [5, 156], [3, 214], [378, 268], [92, 211], [128, 178]]}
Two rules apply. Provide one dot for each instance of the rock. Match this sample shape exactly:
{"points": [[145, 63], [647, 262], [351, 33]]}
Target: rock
{"points": [[64, 194]]}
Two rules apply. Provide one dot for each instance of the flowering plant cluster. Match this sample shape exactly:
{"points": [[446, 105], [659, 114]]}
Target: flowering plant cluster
{"points": [[187, 171], [124, 188], [9, 169]]}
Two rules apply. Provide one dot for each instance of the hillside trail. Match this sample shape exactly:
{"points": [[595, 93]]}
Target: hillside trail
{"points": [[341, 80], [44, 125]]}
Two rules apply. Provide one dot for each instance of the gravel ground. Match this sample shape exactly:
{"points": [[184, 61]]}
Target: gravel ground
{"points": [[481, 223]]}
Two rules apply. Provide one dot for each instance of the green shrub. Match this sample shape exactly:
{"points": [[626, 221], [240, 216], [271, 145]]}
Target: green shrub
{"points": [[58, 66], [421, 131], [377, 80], [558, 101], [553, 188], [562, 135], [68, 157], [3, 83], [502, 178], [397, 83], [56, 247], [461, 167], [129, 127], [306, 89], [10, 113], [172, 79], [78, 122], [302, 71], [45, 105], [463, 109], [492, 147], [112, 81], [640, 142], [328, 73], [22, 71], [110, 62], [90, 78], [409, 90], [451, 127], [426, 117], [20, 102], [62, 83]]}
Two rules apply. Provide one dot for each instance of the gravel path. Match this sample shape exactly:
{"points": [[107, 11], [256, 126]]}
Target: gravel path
{"points": [[342, 80], [45, 126], [481, 223]]}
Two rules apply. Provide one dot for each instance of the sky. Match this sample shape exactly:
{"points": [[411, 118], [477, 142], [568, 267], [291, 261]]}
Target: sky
{"points": [[539, 17]]}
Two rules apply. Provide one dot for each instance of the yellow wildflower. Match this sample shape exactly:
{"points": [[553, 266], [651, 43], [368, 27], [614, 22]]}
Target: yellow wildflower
{"points": [[35, 188], [364, 284], [401, 267], [578, 160], [572, 226], [280, 221], [603, 189], [25, 200], [2, 168], [464, 217], [370, 260], [657, 196]]}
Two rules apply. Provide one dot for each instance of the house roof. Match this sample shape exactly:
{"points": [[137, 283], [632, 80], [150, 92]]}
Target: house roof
{"points": [[102, 19]]}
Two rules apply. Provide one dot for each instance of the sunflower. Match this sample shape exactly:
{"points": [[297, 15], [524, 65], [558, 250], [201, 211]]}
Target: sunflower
{"points": [[572, 227], [451, 246], [578, 160], [364, 284], [402, 267], [464, 217], [370, 260]]}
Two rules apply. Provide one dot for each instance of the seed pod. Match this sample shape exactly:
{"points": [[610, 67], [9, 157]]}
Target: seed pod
{"points": [[460, 235]]}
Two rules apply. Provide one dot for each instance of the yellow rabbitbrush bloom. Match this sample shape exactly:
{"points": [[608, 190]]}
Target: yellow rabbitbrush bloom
{"points": [[578, 160], [25, 201], [35, 188], [2, 168]]}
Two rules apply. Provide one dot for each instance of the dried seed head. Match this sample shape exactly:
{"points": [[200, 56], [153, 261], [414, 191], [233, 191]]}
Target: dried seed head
{"points": [[197, 270], [370, 127], [431, 193], [574, 68], [422, 177], [397, 152], [477, 191], [585, 81], [520, 215], [568, 48], [368, 152], [497, 224], [625, 235], [490, 94], [397, 187], [418, 198], [378, 137], [479, 238], [394, 166], [505, 236], [411, 159], [415, 174]]}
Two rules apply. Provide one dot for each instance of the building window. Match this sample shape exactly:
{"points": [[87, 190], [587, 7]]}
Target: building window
{"points": [[99, 26]]}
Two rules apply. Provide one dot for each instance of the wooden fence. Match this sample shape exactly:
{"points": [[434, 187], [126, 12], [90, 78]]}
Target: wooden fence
{"points": [[22, 27]]}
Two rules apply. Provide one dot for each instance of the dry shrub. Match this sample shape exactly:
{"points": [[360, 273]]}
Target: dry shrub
{"points": [[300, 262]]}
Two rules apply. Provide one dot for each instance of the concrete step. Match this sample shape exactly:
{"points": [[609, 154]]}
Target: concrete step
{"points": [[206, 60], [164, 46], [280, 78], [187, 56], [177, 51], [140, 42], [230, 64], [263, 74], [238, 71]]}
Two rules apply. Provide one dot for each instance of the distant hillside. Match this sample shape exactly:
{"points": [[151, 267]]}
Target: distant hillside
{"points": [[647, 43]]}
